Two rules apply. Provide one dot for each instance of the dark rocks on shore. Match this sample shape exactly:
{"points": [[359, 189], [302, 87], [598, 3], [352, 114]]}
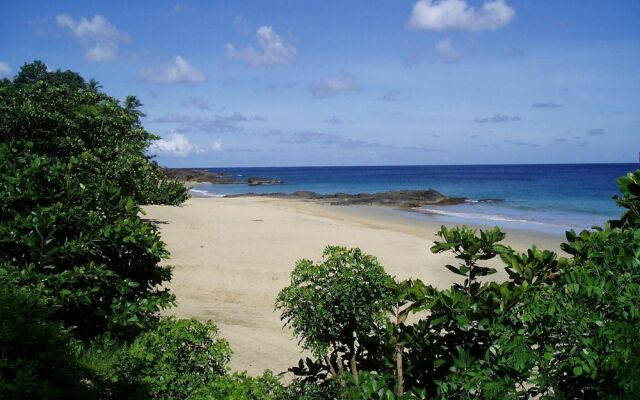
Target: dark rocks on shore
{"points": [[397, 198], [254, 181], [203, 175]]}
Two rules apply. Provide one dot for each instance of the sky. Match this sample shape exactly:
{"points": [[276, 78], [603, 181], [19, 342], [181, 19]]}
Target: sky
{"points": [[303, 83]]}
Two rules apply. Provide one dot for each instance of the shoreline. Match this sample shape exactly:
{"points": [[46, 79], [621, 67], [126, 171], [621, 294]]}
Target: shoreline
{"points": [[231, 256]]}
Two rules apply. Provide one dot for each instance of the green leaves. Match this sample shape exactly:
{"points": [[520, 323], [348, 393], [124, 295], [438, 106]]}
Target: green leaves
{"points": [[82, 241], [175, 359], [64, 117]]}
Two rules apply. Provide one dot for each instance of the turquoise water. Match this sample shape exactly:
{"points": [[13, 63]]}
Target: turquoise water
{"points": [[550, 198]]}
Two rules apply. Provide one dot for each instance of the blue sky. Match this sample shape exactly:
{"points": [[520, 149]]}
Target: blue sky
{"points": [[287, 83]]}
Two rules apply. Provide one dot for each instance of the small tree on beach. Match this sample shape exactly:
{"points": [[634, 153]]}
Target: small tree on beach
{"points": [[336, 305]]}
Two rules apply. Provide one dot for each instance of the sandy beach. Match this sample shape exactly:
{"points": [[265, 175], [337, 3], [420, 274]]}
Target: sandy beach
{"points": [[231, 256]]}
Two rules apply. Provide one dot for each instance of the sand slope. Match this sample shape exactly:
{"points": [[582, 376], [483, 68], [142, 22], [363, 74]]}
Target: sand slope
{"points": [[232, 256]]}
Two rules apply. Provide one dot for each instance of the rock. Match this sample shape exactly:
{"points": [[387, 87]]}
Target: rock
{"points": [[254, 181], [202, 175], [397, 198], [199, 175]]}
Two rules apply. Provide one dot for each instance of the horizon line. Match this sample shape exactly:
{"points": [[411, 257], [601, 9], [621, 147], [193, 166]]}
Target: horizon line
{"points": [[407, 165]]}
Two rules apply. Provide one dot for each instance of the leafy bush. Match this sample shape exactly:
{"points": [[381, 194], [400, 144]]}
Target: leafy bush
{"points": [[176, 359], [336, 305], [63, 116], [557, 328], [240, 386], [36, 357], [80, 243]]}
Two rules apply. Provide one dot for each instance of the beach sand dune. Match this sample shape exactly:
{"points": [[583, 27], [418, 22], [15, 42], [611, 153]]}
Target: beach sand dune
{"points": [[231, 256]]}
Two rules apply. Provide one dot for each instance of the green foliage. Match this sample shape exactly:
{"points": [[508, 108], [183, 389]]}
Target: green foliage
{"points": [[177, 359], [373, 386], [63, 116], [36, 358], [557, 328], [240, 386], [80, 243], [336, 305], [630, 200], [470, 249]]}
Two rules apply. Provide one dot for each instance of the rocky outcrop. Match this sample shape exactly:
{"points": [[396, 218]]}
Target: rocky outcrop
{"points": [[254, 181], [191, 175], [199, 176], [397, 198]]}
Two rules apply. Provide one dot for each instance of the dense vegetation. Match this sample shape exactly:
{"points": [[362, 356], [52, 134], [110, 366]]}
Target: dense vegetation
{"points": [[62, 116], [558, 328], [81, 287]]}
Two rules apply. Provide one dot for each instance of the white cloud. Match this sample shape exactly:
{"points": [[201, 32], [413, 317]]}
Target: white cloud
{"points": [[177, 145], [180, 71], [332, 86], [272, 49], [5, 70], [446, 52], [440, 15], [216, 145], [99, 38]]}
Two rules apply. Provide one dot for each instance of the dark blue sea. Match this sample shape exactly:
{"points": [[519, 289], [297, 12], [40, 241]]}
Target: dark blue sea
{"points": [[549, 198]]}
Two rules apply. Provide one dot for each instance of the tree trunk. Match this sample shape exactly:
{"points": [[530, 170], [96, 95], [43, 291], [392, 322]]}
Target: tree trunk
{"points": [[332, 370], [354, 365], [399, 372]]}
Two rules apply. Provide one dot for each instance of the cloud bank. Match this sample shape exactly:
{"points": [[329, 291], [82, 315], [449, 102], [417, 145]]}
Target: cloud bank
{"points": [[332, 86], [217, 124], [99, 37], [441, 15], [271, 50], [176, 145], [180, 71]]}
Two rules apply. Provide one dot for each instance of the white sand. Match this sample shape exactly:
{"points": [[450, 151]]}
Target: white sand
{"points": [[231, 256]]}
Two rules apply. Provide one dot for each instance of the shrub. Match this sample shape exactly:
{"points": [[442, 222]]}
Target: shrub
{"points": [[63, 116], [240, 386], [36, 356], [556, 328], [336, 305], [80, 243], [176, 359]]}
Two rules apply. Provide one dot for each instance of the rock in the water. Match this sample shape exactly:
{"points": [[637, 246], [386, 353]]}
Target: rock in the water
{"points": [[254, 181], [398, 198], [199, 176], [202, 175]]}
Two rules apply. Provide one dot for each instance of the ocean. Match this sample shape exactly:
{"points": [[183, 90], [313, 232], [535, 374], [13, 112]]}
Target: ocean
{"points": [[545, 198]]}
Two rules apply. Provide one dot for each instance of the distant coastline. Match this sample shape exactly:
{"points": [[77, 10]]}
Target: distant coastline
{"points": [[548, 198]]}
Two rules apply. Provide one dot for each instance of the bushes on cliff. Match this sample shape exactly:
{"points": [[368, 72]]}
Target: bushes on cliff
{"points": [[64, 116]]}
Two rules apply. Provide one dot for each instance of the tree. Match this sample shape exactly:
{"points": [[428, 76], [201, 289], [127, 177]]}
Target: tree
{"points": [[336, 305], [81, 243], [63, 116]]}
